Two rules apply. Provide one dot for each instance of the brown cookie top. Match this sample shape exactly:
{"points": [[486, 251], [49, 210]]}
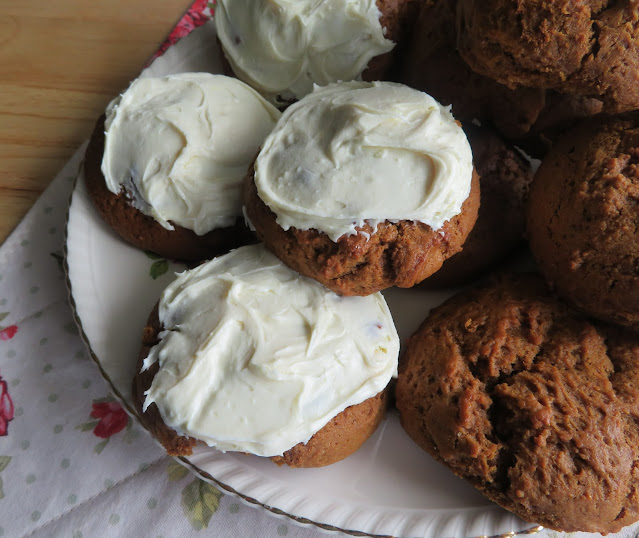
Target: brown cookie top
{"points": [[396, 254], [588, 48], [504, 179], [561, 112], [433, 65], [537, 407], [398, 21], [584, 217]]}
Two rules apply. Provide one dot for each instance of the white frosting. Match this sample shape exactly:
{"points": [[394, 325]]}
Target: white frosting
{"points": [[181, 145], [283, 47], [257, 358], [356, 152]]}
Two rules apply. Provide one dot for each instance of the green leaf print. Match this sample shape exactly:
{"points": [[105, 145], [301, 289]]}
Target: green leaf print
{"points": [[158, 268], [176, 471], [4, 461], [87, 426], [200, 500], [130, 433], [100, 446], [152, 255], [3, 315]]}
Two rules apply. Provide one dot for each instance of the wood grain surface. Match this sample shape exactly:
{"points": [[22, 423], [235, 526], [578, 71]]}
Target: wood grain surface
{"points": [[62, 62]]}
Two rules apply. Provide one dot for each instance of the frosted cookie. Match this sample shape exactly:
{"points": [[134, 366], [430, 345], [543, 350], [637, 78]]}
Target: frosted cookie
{"points": [[244, 354], [283, 48], [531, 403], [164, 168], [363, 186]]}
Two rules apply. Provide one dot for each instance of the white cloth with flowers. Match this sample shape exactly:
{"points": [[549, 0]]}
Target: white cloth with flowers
{"points": [[72, 462]]}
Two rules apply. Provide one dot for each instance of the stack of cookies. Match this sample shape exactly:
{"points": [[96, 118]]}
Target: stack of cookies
{"points": [[271, 355], [335, 148], [526, 385]]}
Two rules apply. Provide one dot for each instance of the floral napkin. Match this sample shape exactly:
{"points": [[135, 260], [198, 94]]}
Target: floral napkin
{"points": [[72, 462]]}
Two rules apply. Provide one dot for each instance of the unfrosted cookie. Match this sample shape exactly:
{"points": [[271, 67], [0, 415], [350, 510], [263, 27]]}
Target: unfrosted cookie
{"points": [[164, 168], [586, 48], [398, 23], [531, 116], [433, 64], [363, 186], [535, 406], [504, 179], [561, 112], [584, 216], [243, 354]]}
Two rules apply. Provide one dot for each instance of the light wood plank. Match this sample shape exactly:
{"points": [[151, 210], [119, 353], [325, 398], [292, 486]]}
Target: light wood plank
{"points": [[62, 62]]}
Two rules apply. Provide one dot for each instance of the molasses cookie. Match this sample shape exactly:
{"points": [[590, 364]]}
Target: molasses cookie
{"points": [[164, 168], [504, 179], [363, 186], [243, 354], [283, 49], [534, 405], [584, 216], [587, 48], [433, 65]]}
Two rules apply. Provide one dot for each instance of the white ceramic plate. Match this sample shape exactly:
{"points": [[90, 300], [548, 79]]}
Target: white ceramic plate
{"points": [[389, 487]]}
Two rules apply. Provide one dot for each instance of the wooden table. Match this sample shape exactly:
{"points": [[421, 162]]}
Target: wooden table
{"points": [[62, 62]]}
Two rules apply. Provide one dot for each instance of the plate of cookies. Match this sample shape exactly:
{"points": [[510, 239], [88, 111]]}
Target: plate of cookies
{"points": [[305, 273]]}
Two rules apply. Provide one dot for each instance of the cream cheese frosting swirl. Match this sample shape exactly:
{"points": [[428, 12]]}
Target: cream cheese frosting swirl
{"points": [[180, 147], [284, 47], [257, 358], [360, 153]]}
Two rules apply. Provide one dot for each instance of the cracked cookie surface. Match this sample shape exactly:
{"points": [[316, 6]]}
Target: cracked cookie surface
{"points": [[583, 219], [587, 48], [537, 407]]}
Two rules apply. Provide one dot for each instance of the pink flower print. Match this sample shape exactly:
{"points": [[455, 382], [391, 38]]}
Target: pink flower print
{"points": [[8, 332], [194, 17], [6, 407], [112, 418]]}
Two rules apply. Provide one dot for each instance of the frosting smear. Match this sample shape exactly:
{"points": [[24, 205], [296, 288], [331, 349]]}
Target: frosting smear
{"points": [[180, 147], [284, 47], [358, 153], [257, 358]]}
